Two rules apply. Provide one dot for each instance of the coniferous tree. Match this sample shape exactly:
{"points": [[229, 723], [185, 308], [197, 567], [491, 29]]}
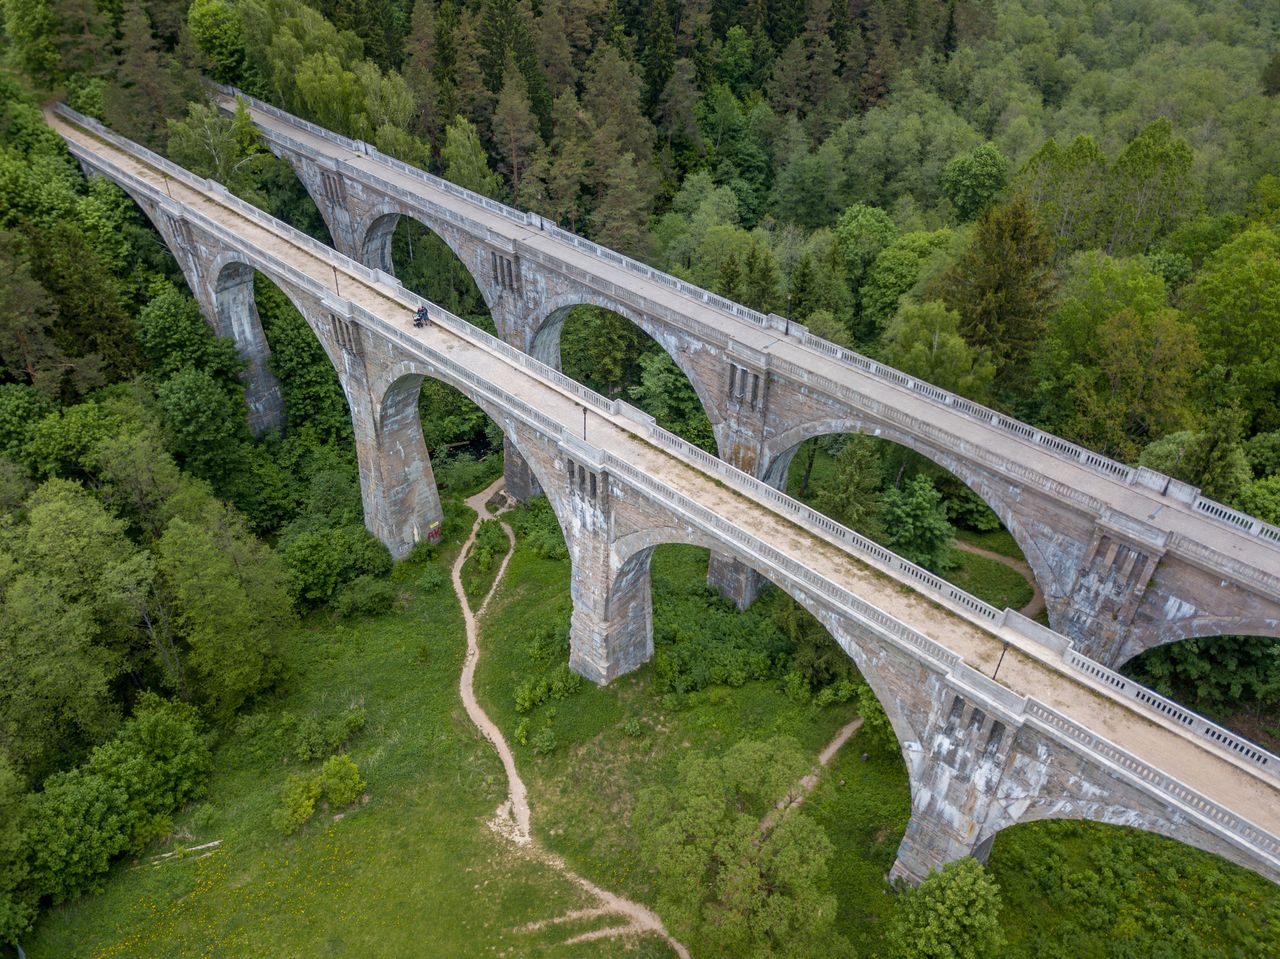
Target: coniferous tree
{"points": [[659, 53], [513, 126], [554, 52], [1002, 287], [144, 95]]}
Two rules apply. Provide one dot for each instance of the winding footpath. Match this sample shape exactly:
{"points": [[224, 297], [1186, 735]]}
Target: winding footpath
{"points": [[1020, 566], [512, 817]]}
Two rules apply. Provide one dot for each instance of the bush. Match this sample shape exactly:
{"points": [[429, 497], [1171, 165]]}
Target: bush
{"points": [[310, 737], [364, 596], [952, 915], [633, 728], [340, 780], [160, 763], [536, 525], [491, 543], [320, 561], [76, 825], [297, 803], [544, 742]]}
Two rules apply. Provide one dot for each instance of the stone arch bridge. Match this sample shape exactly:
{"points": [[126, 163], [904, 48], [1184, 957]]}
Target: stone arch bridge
{"points": [[1127, 558], [1000, 720]]}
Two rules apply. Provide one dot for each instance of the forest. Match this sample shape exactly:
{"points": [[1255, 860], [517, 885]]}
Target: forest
{"points": [[1066, 209]]}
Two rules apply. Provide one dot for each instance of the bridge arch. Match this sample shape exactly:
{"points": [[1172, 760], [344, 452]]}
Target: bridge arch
{"points": [[633, 554], [375, 232], [781, 450], [544, 328]]}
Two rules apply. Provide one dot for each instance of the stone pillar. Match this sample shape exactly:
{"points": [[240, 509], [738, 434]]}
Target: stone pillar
{"points": [[397, 486], [611, 632], [521, 484], [955, 792], [740, 438], [1098, 612], [236, 313]]}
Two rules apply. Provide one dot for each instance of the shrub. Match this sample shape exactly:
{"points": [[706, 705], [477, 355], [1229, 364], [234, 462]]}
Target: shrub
{"points": [[76, 825], [491, 543], [297, 803], [952, 915], [340, 780], [536, 525], [160, 763], [633, 728], [310, 737], [320, 561], [522, 731], [365, 596], [544, 742]]}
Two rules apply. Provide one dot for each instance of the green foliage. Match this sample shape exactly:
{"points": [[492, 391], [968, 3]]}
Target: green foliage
{"points": [[536, 525], [76, 825], [297, 804], [490, 544], [216, 29], [363, 596], [893, 273], [1212, 459], [310, 737], [726, 884], [915, 523], [924, 340], [861, 233], [1215, 675], [175, 337], [204, 425], [340, 780], [320, 562], [464, 162], [952, 915], [974, 179], [20, 408], [158, 761], [666, 394]]}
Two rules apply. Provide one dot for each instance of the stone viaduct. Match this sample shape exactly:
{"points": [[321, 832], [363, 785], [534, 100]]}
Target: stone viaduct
{"points": [[1000, 720], [1127, 558]]}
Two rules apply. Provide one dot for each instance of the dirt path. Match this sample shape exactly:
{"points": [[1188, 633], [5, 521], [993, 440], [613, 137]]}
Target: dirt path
{"points": [[809, 782], [1033, 608], [512, 818]]}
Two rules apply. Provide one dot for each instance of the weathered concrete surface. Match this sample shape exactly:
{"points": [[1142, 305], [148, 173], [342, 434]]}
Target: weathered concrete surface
{"points": [[1124, 564], [1044, 741]]}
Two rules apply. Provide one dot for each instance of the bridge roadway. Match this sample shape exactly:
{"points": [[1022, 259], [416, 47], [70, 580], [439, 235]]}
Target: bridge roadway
{"points": [[1028, 668], [1211, 538]]}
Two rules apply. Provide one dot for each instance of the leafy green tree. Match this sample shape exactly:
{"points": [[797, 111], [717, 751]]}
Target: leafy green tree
{"points": [[223, 594], [602, 349], [974, 179], [924, 340], [1212, 459], [174, 336], [666, 394], [852, 494], [204, 426], [77, 824], [1235, 304], [21, 407], [1271, 76], [59, 444], [861, 233], [954, 914], [158, 761], [915, 523], [1118, 365], [894, 272], [16, 906], [1002, 286], [464, 161], [1217, 675], [1063, 185], [225, 149], [727, 883], [215, 25], [320, 562], [1148, 189]]}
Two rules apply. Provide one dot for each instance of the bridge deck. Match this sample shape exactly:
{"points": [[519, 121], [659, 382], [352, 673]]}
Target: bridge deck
{"points": [[1028, 668], [1161, 511]]}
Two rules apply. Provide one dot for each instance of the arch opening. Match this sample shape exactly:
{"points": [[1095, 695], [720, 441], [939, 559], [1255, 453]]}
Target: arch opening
{"points": [[1231, 680], [1135, 884], [918, 507], [419, 257], [619, 357]]}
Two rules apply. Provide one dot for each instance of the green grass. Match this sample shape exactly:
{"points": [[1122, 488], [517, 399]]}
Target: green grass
{"points": [[997, 540], [990, 580], [414, 872]]}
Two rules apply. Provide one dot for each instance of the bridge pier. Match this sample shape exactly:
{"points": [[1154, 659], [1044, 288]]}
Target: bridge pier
{"points": [[611, 631], [520, 482]]}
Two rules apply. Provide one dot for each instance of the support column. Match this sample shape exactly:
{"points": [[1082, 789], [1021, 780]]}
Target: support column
{"points": [[611, 632], [953, 799], [397, 485], [236, 311], [742, 433], [521, 484]]}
